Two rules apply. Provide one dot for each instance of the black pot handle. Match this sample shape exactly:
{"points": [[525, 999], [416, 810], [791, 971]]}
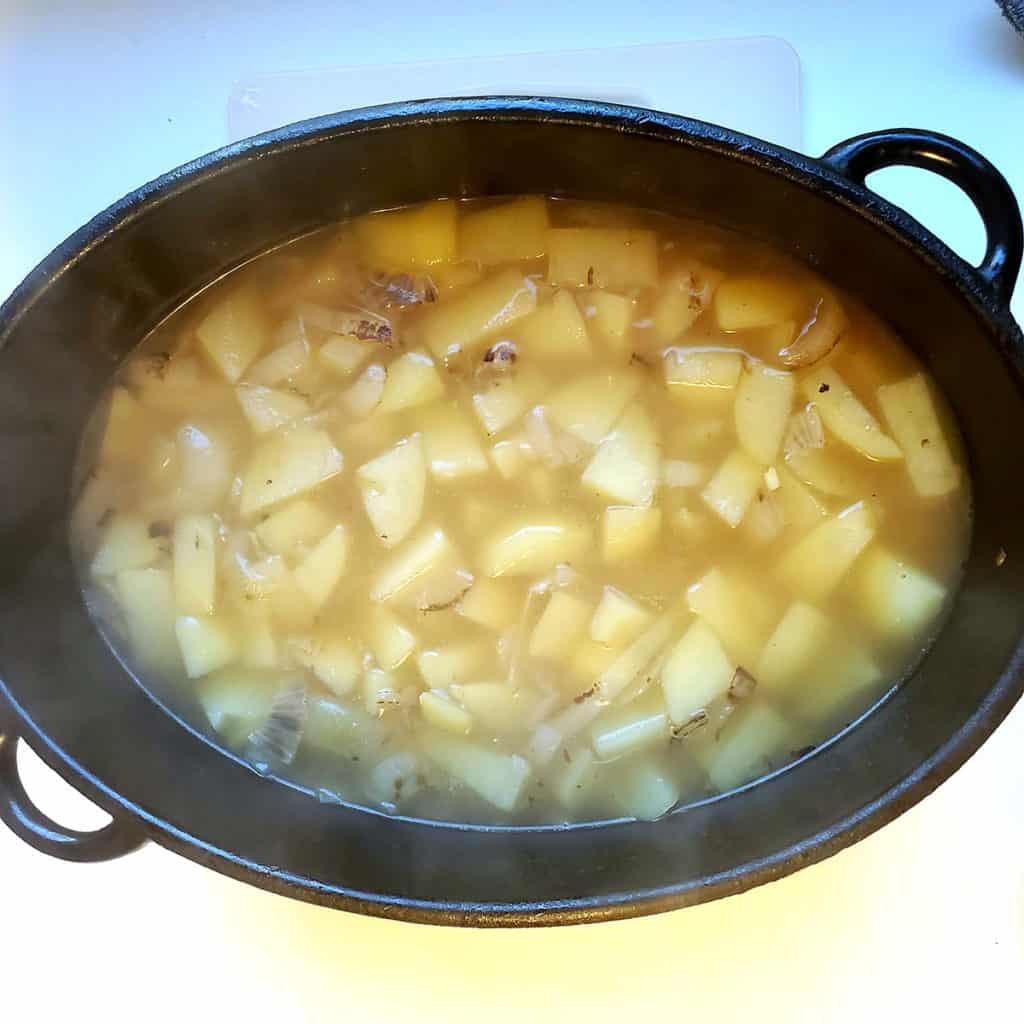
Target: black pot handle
{"points": [[993, 198], [27, 822]]}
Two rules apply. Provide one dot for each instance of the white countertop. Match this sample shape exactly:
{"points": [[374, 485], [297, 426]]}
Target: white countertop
{"points": [[922, 920]]}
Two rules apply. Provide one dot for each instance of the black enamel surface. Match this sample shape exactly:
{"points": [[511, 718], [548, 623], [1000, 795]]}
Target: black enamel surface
{"points": [[65, 329]]}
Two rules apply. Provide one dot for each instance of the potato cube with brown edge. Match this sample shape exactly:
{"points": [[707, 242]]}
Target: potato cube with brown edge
{"points": [[287, 465], [614, 258], [393, 486], [409, 239], [492, 604], [563, 621], [506, 232], [463, 322], [426, 572]]}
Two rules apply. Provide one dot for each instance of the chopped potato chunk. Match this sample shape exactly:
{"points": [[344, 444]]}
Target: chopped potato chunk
{"points": [[602, 257]]}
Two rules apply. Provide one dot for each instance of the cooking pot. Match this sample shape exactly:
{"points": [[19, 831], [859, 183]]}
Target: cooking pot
{"points": [[66, 328]]}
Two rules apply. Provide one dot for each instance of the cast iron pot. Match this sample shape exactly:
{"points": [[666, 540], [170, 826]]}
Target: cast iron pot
{"points": [[67, 327]]}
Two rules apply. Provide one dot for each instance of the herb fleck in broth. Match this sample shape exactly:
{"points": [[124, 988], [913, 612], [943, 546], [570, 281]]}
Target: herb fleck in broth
{"points": [[523, 511]]}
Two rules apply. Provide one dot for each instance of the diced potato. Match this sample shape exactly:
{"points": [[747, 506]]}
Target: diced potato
{"points": [[127, 431], [689, 369], [645, 790], [618, 619], [911, 415], [461, 323], [207, 469], [267, 409], [502, 401], [206, 644], [381, 692], [756, 300], [588, 408], [269, 581], [610, 318], [639, 726], [627, 532], [146, 599], [695, 435], [532, 545], [237, 701], [733, 487], [814, 566], [827, 471], [802, 636], [365, 395], [412, 379], [499, 707], [751, 741], [589, 660], [846, 416], [614, 258], [505, 233], [495, 777], [696, 672], [424, 572], [390, 640], [409, 239], [332, 658], [764, 399], [574, 779], [679, 473], [234, 332], [281, 363], [627, 465], [555, 329], [344, 354], [511, 456], [286, 466], [490, 603], [195, 565], [895, 597], [340, 728], [443, 713], [320, 570], [562, 623], [449, 278], [393, 487], [290, 529], [800, 509], [126, 544], [740, 613], [682, 297], [256, 639], [452, 665], [830, 697], [452, 445]]}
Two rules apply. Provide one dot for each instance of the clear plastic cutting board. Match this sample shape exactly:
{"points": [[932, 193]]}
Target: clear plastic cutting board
{"points": [[752, 85]]}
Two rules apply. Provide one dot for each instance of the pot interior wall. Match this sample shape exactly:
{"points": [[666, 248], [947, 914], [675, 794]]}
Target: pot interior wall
{"points": [[58, 358]]}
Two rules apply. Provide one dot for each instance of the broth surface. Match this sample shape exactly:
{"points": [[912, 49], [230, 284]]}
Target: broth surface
{"points": [[522, 511]]}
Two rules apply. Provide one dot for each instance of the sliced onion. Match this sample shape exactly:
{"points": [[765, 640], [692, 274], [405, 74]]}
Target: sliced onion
{"points": [[359, 323], [276, 741], [818, 336], [804, 431], [680, 473], [765, 517]]}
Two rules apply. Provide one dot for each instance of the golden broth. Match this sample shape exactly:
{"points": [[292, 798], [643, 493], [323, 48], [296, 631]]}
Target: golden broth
{"points": [[523, 511]]}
